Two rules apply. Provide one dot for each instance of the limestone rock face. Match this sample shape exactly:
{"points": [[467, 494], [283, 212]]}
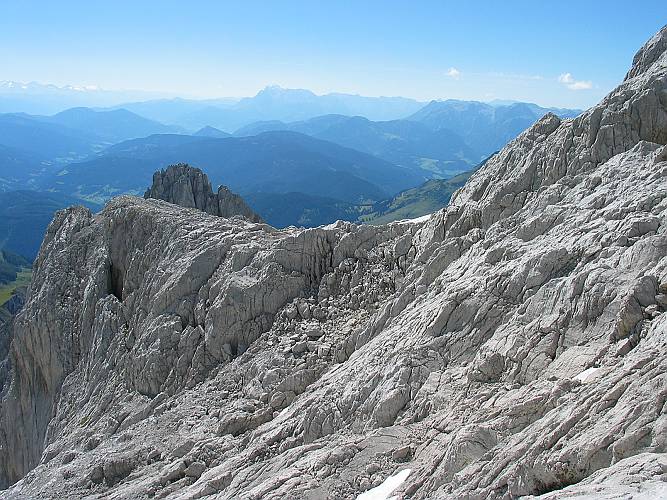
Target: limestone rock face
{"points": [[513, 344], [189, 187]]}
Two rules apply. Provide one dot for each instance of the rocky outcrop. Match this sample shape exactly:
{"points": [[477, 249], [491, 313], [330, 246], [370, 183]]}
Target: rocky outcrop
{"points": [[189, 187], [512, 344]]}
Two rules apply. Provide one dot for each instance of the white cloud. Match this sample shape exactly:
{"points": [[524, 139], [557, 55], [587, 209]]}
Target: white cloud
{"points": [[581, 85], [568, 80], [454, 73]]}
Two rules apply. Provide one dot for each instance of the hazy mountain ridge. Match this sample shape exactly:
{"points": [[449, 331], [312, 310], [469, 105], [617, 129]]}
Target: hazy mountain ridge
{"points": [[301, 209], [47, 99], [74, 133], [41, 145], [211, 132], [444, 138], [25, 215], [44, 140], [271, 103], [112, 126], [66, 157], [271, 162], [408, 144], [484, 127]]}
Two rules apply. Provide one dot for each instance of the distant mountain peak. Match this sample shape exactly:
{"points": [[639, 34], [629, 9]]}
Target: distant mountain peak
{"points": [[277, 90], [211, 132]]}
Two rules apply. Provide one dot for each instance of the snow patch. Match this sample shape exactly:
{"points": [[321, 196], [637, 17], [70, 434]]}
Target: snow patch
{"points": [[387, 487], [587, 375], [417, 220]]}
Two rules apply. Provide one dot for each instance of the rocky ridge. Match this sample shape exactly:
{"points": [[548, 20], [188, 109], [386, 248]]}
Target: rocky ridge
{"points": [[512, 344], [189, 187]]}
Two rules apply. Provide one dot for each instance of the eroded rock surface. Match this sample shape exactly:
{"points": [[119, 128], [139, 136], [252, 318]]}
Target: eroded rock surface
{"points": [[189, 187], [513, 344]]}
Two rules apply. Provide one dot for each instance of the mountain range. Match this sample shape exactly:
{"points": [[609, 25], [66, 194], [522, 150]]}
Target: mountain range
{"points": [[327, 163], [403, 142], [271, 103], [25, 215], [300, 209], [47, 99], [444, 137], [275, 162], [484, 127], [72, 134], [229, 114], [45, 140], [110, 126]]}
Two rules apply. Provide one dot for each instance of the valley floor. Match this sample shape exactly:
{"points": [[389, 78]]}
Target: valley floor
{"points": [[7, 289]]}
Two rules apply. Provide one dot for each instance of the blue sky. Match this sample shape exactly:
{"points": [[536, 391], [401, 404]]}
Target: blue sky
{"points": [[559, 53]]}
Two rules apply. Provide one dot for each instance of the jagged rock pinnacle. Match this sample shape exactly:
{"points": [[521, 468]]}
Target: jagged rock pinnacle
{"points": [[189, 187]]}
